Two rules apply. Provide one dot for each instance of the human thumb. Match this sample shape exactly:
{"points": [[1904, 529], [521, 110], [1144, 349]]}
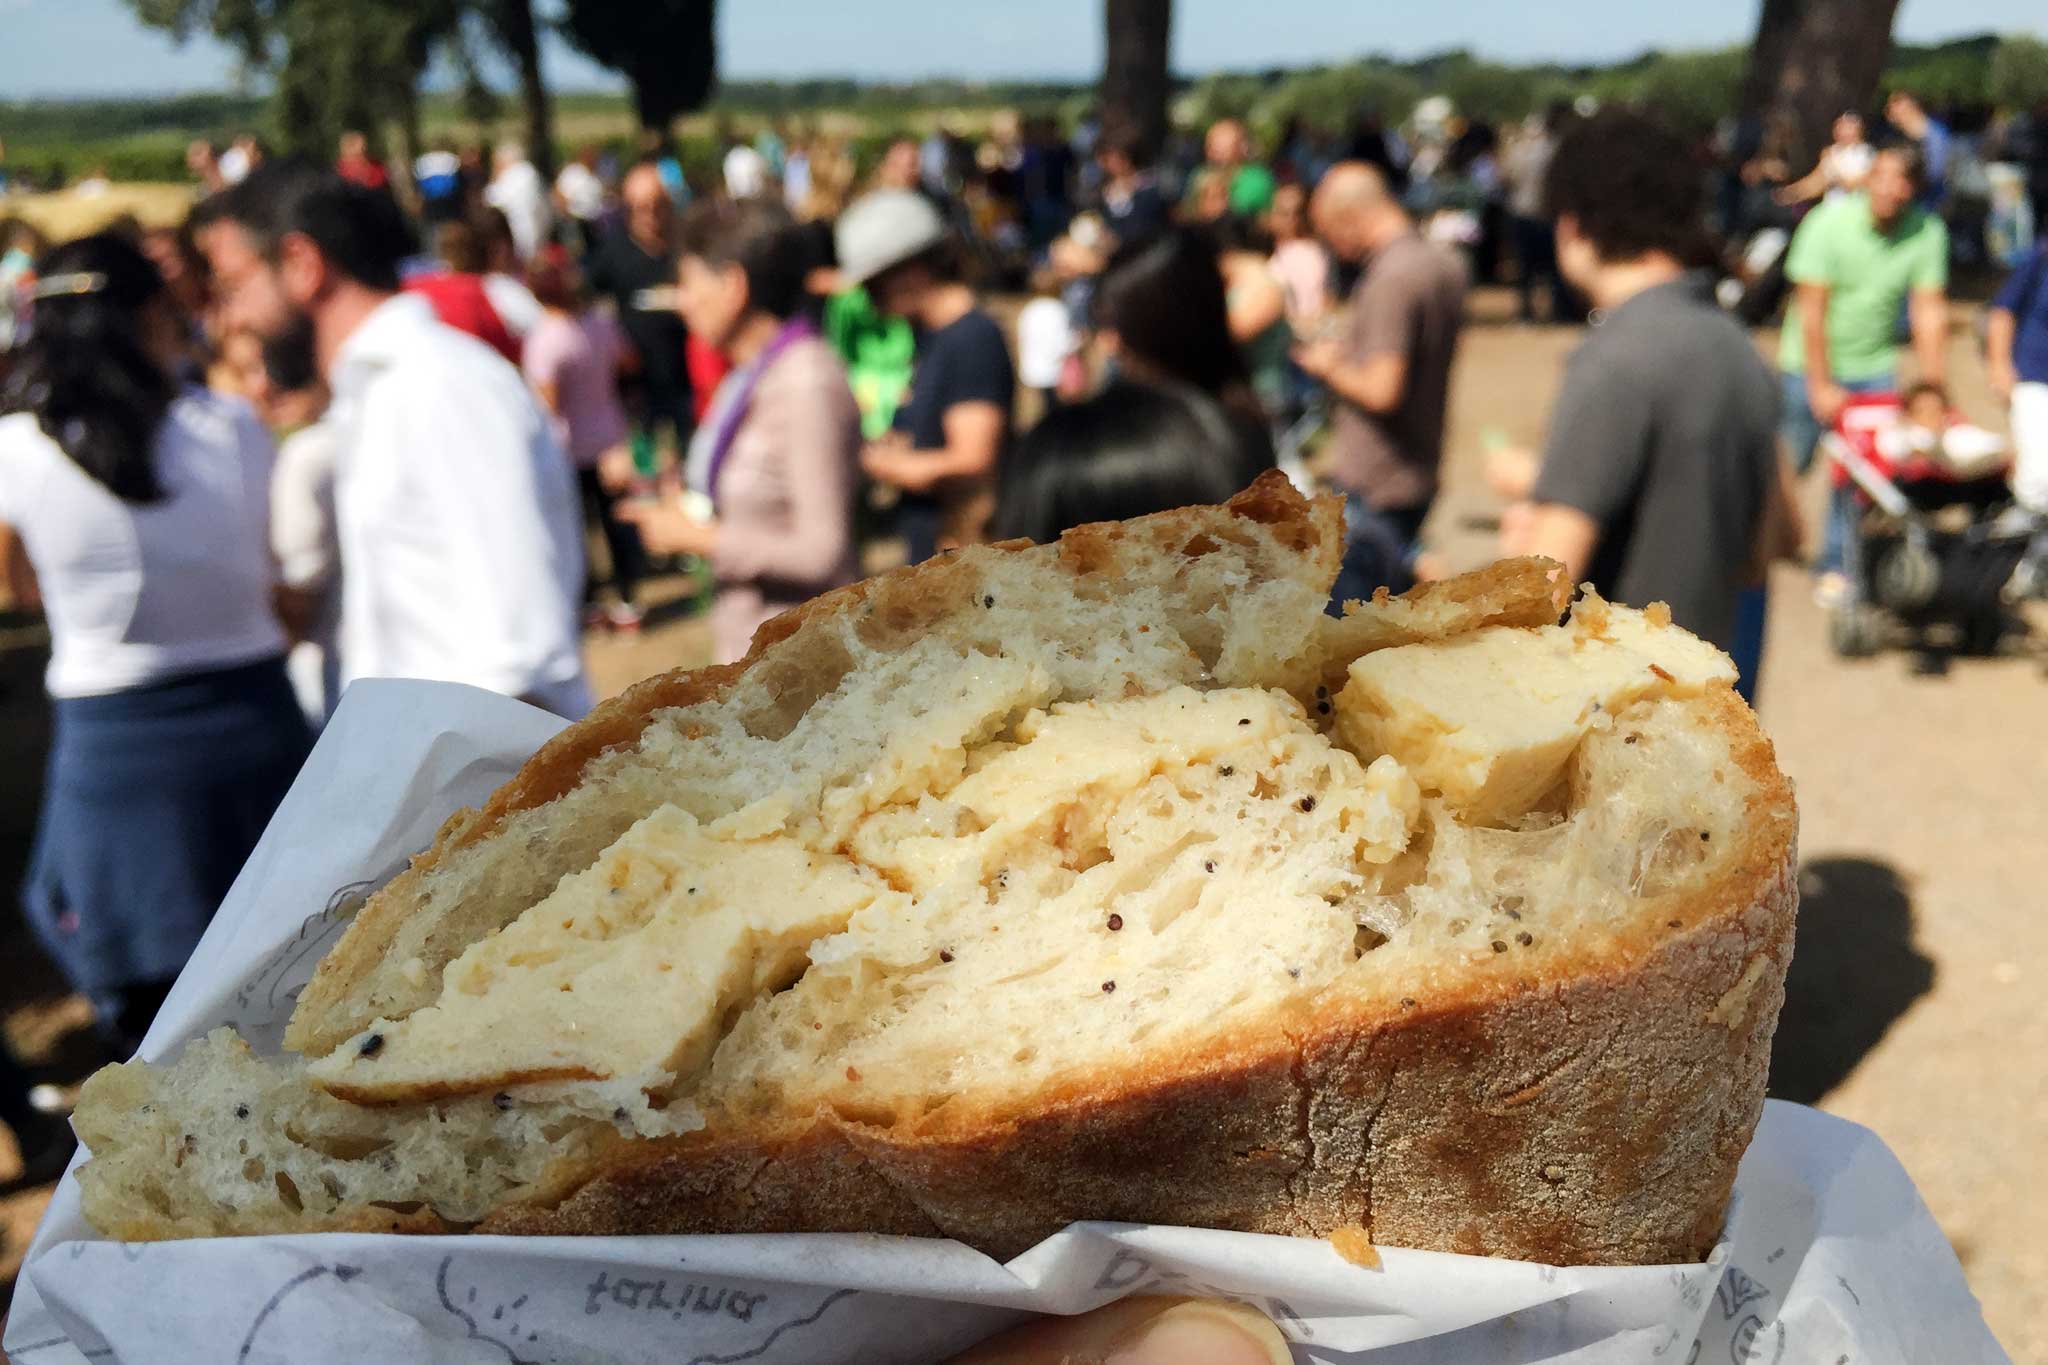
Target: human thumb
{"points": [[1141, 1331]]}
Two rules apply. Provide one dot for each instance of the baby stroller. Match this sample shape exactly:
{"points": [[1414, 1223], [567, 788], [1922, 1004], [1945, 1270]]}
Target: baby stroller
{"points": [[1931, 541]]}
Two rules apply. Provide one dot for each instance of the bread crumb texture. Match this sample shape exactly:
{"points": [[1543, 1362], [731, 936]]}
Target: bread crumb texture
{"points": [[1354, 1244], [956, 840]]}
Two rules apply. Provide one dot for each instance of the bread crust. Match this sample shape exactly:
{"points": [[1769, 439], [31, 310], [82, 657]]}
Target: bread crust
{"points": [[1585, 1115], [1582, 1105]]}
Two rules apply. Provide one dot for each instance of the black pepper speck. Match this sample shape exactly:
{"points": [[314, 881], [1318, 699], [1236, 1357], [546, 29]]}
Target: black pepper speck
{"points": [[1499, 946], [988, 601], [1108, 986], [1308, 803], [372, 1045], [502, 1101], [1116, 922], [241, 1111], [1525, 938], [619, 1114], [1225, 771], [1209, 866], [945, 954], [1407, 1002], [1322, 708], [1244, 720]]}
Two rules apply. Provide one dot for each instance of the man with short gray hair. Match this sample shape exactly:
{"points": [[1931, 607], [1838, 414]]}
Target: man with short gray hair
{"points": [[1388, 370]]}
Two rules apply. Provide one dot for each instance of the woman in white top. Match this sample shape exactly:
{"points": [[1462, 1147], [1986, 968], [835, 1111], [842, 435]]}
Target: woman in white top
{"points": [[1843, 166], [137, 513]]}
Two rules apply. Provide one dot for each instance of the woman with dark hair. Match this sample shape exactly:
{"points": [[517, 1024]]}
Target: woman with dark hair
{"points": [[1131, 449], [771, 470], [1163, 314], [952, 426], [137, 512]]}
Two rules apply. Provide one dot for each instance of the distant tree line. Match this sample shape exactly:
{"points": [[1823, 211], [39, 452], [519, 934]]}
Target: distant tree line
{"points": [[335, 64]]}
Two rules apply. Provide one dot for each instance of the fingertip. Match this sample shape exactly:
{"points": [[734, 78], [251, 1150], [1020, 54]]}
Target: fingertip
{"points": [[1204, 1332]]}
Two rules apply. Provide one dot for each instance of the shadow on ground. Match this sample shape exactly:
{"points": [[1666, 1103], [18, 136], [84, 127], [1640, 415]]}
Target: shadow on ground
{"points": [[1855, 969]]}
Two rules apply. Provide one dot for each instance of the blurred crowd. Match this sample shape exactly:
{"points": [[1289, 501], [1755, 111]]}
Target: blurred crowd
{"points": [[351, 420]]}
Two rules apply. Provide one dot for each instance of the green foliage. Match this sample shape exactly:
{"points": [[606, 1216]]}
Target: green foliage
{"points": [[335, 64], [145, 139], [2019, 72], [1333, 96], [351, 63], [1484, 90], [1956, 74], [1689, 90]]}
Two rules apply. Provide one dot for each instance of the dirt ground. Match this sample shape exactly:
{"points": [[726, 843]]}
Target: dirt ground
{"points": [[1913, 1006]]}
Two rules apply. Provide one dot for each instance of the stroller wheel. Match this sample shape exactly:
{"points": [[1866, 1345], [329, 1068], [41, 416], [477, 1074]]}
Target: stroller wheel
{"points": [[1855, 630], [1908, 577]]}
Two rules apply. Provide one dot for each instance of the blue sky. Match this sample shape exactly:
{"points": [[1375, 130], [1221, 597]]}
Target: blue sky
{"points": [[96, 47]]}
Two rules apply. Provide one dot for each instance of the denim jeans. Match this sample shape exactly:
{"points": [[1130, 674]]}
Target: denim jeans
{"points": [[1802, 431], [1752, 613]]}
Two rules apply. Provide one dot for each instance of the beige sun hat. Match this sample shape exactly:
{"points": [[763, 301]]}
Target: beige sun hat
{"points": [[884, 228]]}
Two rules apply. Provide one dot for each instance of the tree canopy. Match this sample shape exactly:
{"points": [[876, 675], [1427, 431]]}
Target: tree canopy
{"points": [[666, 49]]}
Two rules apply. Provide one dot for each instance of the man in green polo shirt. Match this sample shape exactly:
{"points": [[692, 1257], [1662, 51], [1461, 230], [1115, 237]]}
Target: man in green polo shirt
{"points": [[1853, 263]]}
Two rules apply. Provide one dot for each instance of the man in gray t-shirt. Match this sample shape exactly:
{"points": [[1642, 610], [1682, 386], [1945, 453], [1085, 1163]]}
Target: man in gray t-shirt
{"points": [[1661, 457], [1664, 438], [1388, 372]]}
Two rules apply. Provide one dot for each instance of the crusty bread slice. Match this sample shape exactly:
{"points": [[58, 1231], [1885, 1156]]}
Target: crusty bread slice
{"points": [[1108, 879]]}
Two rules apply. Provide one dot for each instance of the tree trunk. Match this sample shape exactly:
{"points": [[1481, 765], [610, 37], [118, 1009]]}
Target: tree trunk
{"points": [[1135, 78], [1813, 59], [410, 146], [652, 104], [522, 43]]}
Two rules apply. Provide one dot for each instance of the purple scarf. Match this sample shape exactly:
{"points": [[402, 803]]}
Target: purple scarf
{"points": [[735, 411]]}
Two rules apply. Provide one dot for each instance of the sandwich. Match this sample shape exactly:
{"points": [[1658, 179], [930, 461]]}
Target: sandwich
{"points": [[1104, 879]]}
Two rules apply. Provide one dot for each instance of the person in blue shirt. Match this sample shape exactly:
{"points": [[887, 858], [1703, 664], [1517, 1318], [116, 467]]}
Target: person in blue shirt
{"points": [[2016, 363], [1904, 111]]}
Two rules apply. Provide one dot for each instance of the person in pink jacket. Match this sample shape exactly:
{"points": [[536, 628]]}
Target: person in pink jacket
{"points": [[775, 461]]}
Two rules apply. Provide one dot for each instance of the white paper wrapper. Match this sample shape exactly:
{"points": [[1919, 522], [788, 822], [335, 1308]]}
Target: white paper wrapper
{"points": [[1829, 1253]]}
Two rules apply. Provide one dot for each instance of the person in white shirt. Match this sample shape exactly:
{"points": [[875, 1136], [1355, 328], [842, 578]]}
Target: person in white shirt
{"points": [[308, 550], [243, 155], [136, 512], [746, 172], [1843, 166], [517, 191], [1045, 338], [461, 552], [505, 277], [579, 194]]}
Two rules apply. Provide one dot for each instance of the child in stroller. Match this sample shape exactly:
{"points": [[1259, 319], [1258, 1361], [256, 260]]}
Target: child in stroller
{"points": [[1929, 542]]}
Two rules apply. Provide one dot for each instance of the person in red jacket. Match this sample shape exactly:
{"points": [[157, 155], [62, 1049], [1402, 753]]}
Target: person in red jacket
{"points": [[456, 290], [354, 162]]}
